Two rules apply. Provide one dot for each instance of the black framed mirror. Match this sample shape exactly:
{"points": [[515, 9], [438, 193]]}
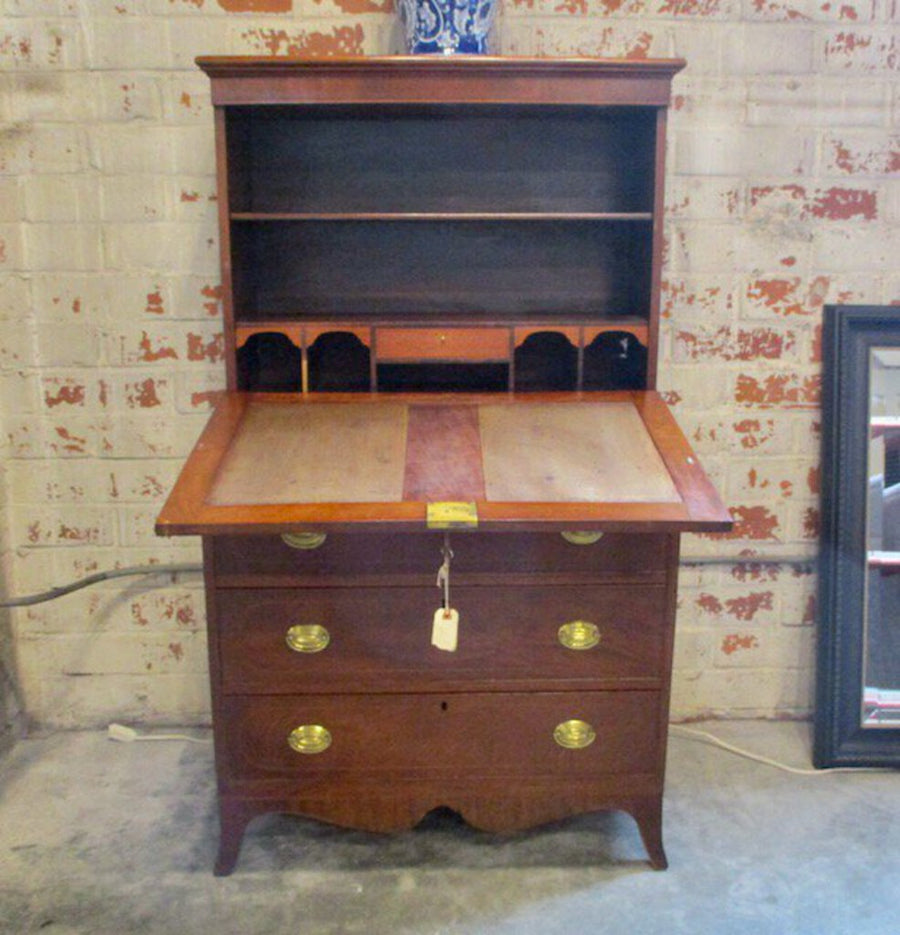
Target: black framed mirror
{"points": [[858, 686]]}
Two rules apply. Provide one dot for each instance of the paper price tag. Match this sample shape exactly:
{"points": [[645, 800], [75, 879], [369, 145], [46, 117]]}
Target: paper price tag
{"points": [[445, 629]]}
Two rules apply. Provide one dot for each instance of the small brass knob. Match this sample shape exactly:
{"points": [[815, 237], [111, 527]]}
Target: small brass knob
{"points": [[307, 638], [579, 634], [304, 540], [574, 734], [309, 738], [581, 537]]}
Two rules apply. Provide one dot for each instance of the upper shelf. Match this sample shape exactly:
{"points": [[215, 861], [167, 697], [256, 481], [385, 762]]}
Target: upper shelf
{"points": [[450, 216], [463, 162]]}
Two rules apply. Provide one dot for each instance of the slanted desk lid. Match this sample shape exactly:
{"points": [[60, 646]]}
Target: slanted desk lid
{"points": [[554, 461]]}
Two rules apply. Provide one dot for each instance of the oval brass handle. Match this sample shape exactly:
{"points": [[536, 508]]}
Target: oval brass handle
{"points": [[581, 536], [574, 734], [304, 540], [579, 634], [309, 738], [307, 638]]}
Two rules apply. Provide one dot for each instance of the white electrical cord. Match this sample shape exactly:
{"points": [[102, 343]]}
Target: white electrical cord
{"points": [[703, 736], [125, 734]]}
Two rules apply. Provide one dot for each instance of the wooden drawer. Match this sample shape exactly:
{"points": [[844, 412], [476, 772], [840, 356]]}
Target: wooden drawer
{"points": [[415, 344], [413, 735], [381, 640], [365, 558]]}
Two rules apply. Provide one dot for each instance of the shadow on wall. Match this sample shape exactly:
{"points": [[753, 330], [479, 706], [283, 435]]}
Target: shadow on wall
{"points": [[11, 714]]}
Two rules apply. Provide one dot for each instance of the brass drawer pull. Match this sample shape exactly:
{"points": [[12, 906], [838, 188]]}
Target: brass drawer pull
{"points": [[581, 537], [307, 638], [579, 634], [309, 738], [303, 540], [574, 734]]}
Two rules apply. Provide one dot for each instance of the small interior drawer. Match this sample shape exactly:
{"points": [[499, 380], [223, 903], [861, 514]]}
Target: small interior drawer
{"points": [[398, 344]]}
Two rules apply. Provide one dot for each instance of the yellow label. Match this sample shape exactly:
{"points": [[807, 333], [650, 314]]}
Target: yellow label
{"points": [[451, 515]]}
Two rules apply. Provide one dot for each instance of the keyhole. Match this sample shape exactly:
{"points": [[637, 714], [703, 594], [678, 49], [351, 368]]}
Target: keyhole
{"points": [[443, 706]]}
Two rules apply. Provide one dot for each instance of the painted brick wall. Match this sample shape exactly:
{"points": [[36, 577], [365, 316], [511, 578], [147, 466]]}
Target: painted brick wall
{"points": [[784, 194]]}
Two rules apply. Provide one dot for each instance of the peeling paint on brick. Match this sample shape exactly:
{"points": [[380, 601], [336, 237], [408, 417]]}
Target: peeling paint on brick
{"points": [[736, 641], [709, 603], [214, 296], [791, 296], [68, 394], [750, 522], [752, 434], [71, 443], [811, 523], [790, 391], [154, 303], [881, 160], [142, 395], [813, 480], [257, 6], [744, 345], [199, 349], [746, 607], [830, 204], [343, 40], [149, 354], [763, 571], [204, 399]]}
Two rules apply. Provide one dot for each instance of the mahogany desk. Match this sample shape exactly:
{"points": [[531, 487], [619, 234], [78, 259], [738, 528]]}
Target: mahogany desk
{"points": [[323, 520]]}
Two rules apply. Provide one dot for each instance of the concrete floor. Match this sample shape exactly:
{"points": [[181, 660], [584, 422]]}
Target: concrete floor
{"points": [[99, 837]]}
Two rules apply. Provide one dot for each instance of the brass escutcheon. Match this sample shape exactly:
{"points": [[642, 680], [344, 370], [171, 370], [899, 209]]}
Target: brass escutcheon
{"points": [[303, 540], [581, 536], [579, 634], [574, 734], [309, 738], [307, 638]]}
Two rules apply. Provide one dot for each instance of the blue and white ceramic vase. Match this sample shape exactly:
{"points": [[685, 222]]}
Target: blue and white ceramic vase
{"points": [[446, 26]]}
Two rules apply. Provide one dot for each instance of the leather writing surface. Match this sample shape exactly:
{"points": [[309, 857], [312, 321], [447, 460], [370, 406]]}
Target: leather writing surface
{"points": [[359, 452]]}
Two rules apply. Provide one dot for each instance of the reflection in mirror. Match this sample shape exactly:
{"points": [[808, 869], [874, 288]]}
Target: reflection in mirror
{"points": [[858, 604], [881, 677]]}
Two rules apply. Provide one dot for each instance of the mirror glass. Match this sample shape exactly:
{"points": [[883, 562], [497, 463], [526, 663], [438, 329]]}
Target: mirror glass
{"points": [[881, 661]]}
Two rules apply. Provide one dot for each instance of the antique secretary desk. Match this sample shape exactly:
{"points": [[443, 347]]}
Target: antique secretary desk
{"points": [[441, 295]]}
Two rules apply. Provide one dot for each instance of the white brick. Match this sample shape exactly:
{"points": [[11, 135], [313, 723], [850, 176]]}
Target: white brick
{"points": [[67, 344], [69, 296], [11, 200], [61, 198], [825, 102], [873, 249], [129, 95], [12, 254], [725, 150], [15, 297], [75, 702], [186, 99], [136, 198], [119, 42], [162, 246], [759, 49], [63, 247]]}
